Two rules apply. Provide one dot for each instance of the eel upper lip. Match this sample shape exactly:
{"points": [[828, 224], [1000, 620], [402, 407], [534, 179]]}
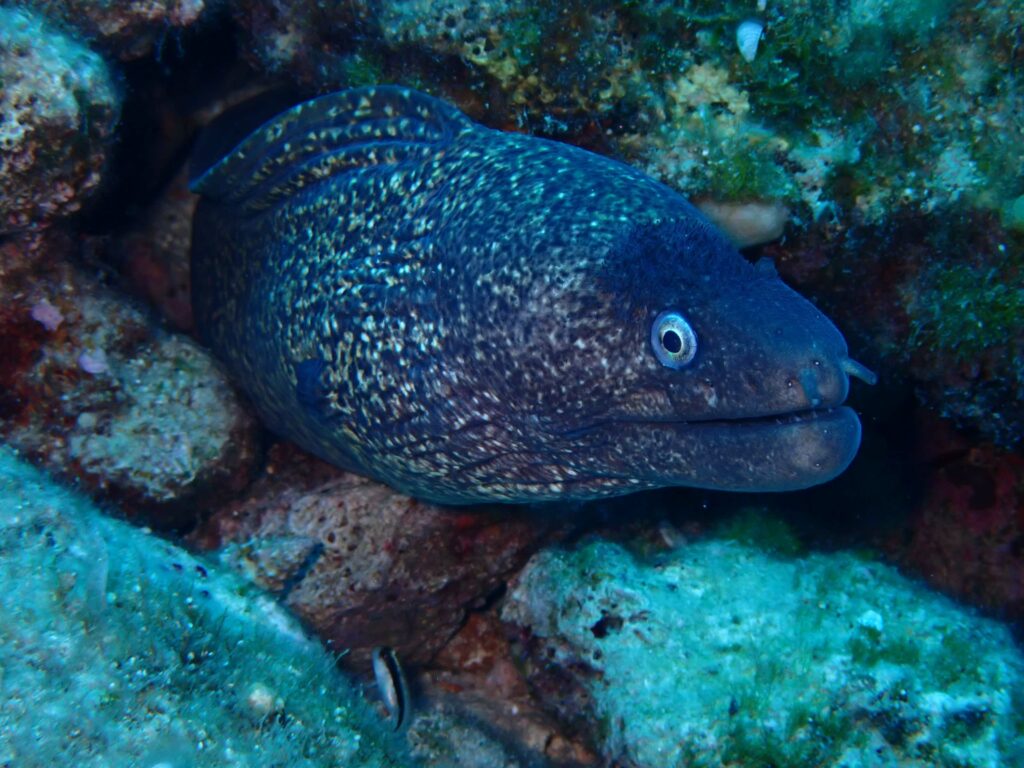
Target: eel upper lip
{"points": [[781, 417]]}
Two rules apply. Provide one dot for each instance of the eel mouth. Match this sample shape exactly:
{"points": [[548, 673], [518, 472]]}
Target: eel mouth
{"points": [[771, 451]]}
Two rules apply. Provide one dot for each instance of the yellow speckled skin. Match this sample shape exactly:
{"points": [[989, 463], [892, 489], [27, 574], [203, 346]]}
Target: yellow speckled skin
{"points": [[465, 314]]}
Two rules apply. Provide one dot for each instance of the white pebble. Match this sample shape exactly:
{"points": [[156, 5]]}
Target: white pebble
{"points": [[748, 223], [93, 361], [748, 36], [871, 620], [44, 312], [263, 701]]}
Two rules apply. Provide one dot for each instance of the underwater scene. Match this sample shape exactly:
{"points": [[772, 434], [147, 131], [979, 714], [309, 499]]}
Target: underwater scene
{"points": [[512, 383]]}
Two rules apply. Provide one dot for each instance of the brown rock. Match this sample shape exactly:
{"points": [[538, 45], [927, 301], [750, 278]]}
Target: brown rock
{"points": [[154, 255], [965, 535], [365, 565], [129, 30], [475, 673]]}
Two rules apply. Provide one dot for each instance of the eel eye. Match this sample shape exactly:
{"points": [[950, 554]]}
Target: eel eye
{"points": [[673, 340]]}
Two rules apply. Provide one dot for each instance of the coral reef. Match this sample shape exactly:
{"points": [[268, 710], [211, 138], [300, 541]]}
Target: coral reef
{"points": [[118, 648], [59, 105], [92, 390], [871, 148], [363, 565], [679, 98], [716, 654]]}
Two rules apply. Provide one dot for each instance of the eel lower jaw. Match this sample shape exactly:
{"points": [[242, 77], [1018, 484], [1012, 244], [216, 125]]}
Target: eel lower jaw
{"points": [[781, 452]]}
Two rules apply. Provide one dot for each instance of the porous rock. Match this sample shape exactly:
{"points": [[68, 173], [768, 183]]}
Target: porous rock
{"points": [[364, 565], [59, 105], [717, 654]]}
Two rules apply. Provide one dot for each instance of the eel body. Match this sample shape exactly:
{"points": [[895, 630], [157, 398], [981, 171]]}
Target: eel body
{"points": [[470, 315]]}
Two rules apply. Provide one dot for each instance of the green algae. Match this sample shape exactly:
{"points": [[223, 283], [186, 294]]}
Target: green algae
{"points": [[965, 309], [761, 530]]}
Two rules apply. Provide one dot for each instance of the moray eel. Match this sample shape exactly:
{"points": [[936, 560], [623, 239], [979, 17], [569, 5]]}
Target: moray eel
{"points": [[470, 315]]}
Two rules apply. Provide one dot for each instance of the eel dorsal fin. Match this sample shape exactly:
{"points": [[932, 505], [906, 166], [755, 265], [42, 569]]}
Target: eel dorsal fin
{"points": [[327, 136]]}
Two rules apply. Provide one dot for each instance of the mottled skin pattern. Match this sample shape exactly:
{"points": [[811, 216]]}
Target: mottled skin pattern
{"points": [[465, 314]]}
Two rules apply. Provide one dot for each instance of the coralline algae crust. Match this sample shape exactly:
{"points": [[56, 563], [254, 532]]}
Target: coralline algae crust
{"points": [[718, 654], [118, 648]]}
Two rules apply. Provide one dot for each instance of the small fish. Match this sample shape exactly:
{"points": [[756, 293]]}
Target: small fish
{"points": [[470, 315], [394, 691]]}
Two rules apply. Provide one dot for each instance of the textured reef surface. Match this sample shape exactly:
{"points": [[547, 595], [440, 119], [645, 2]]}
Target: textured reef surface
{"points": [[118, 648], [59, 106], [872, 149], [718, 654]]}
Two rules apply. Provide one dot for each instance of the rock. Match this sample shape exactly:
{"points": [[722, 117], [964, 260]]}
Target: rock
{"points": [[132, 412], [476, 674], [154, 255], [364, 565], [119, 648], [747, 224], [716, 654], [129, 30], [965, 531], [59, 106], [445, 737]]}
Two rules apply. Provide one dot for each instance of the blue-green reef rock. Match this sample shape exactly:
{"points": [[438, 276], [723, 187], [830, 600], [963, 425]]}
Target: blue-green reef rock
{"points": [[119, 649], [716, 654]]}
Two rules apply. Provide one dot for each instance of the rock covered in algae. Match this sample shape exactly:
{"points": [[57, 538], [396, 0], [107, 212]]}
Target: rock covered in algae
{"points": [[92, 390], [118, 648], [59, 106], [717, 654], [805, 122]]}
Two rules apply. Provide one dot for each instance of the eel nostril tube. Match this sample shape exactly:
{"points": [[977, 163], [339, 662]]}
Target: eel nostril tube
{"points": [[858, 371]]}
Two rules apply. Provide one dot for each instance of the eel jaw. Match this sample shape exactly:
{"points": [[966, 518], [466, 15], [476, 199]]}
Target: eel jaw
{"points": [[615, 457], [775, 453]]}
